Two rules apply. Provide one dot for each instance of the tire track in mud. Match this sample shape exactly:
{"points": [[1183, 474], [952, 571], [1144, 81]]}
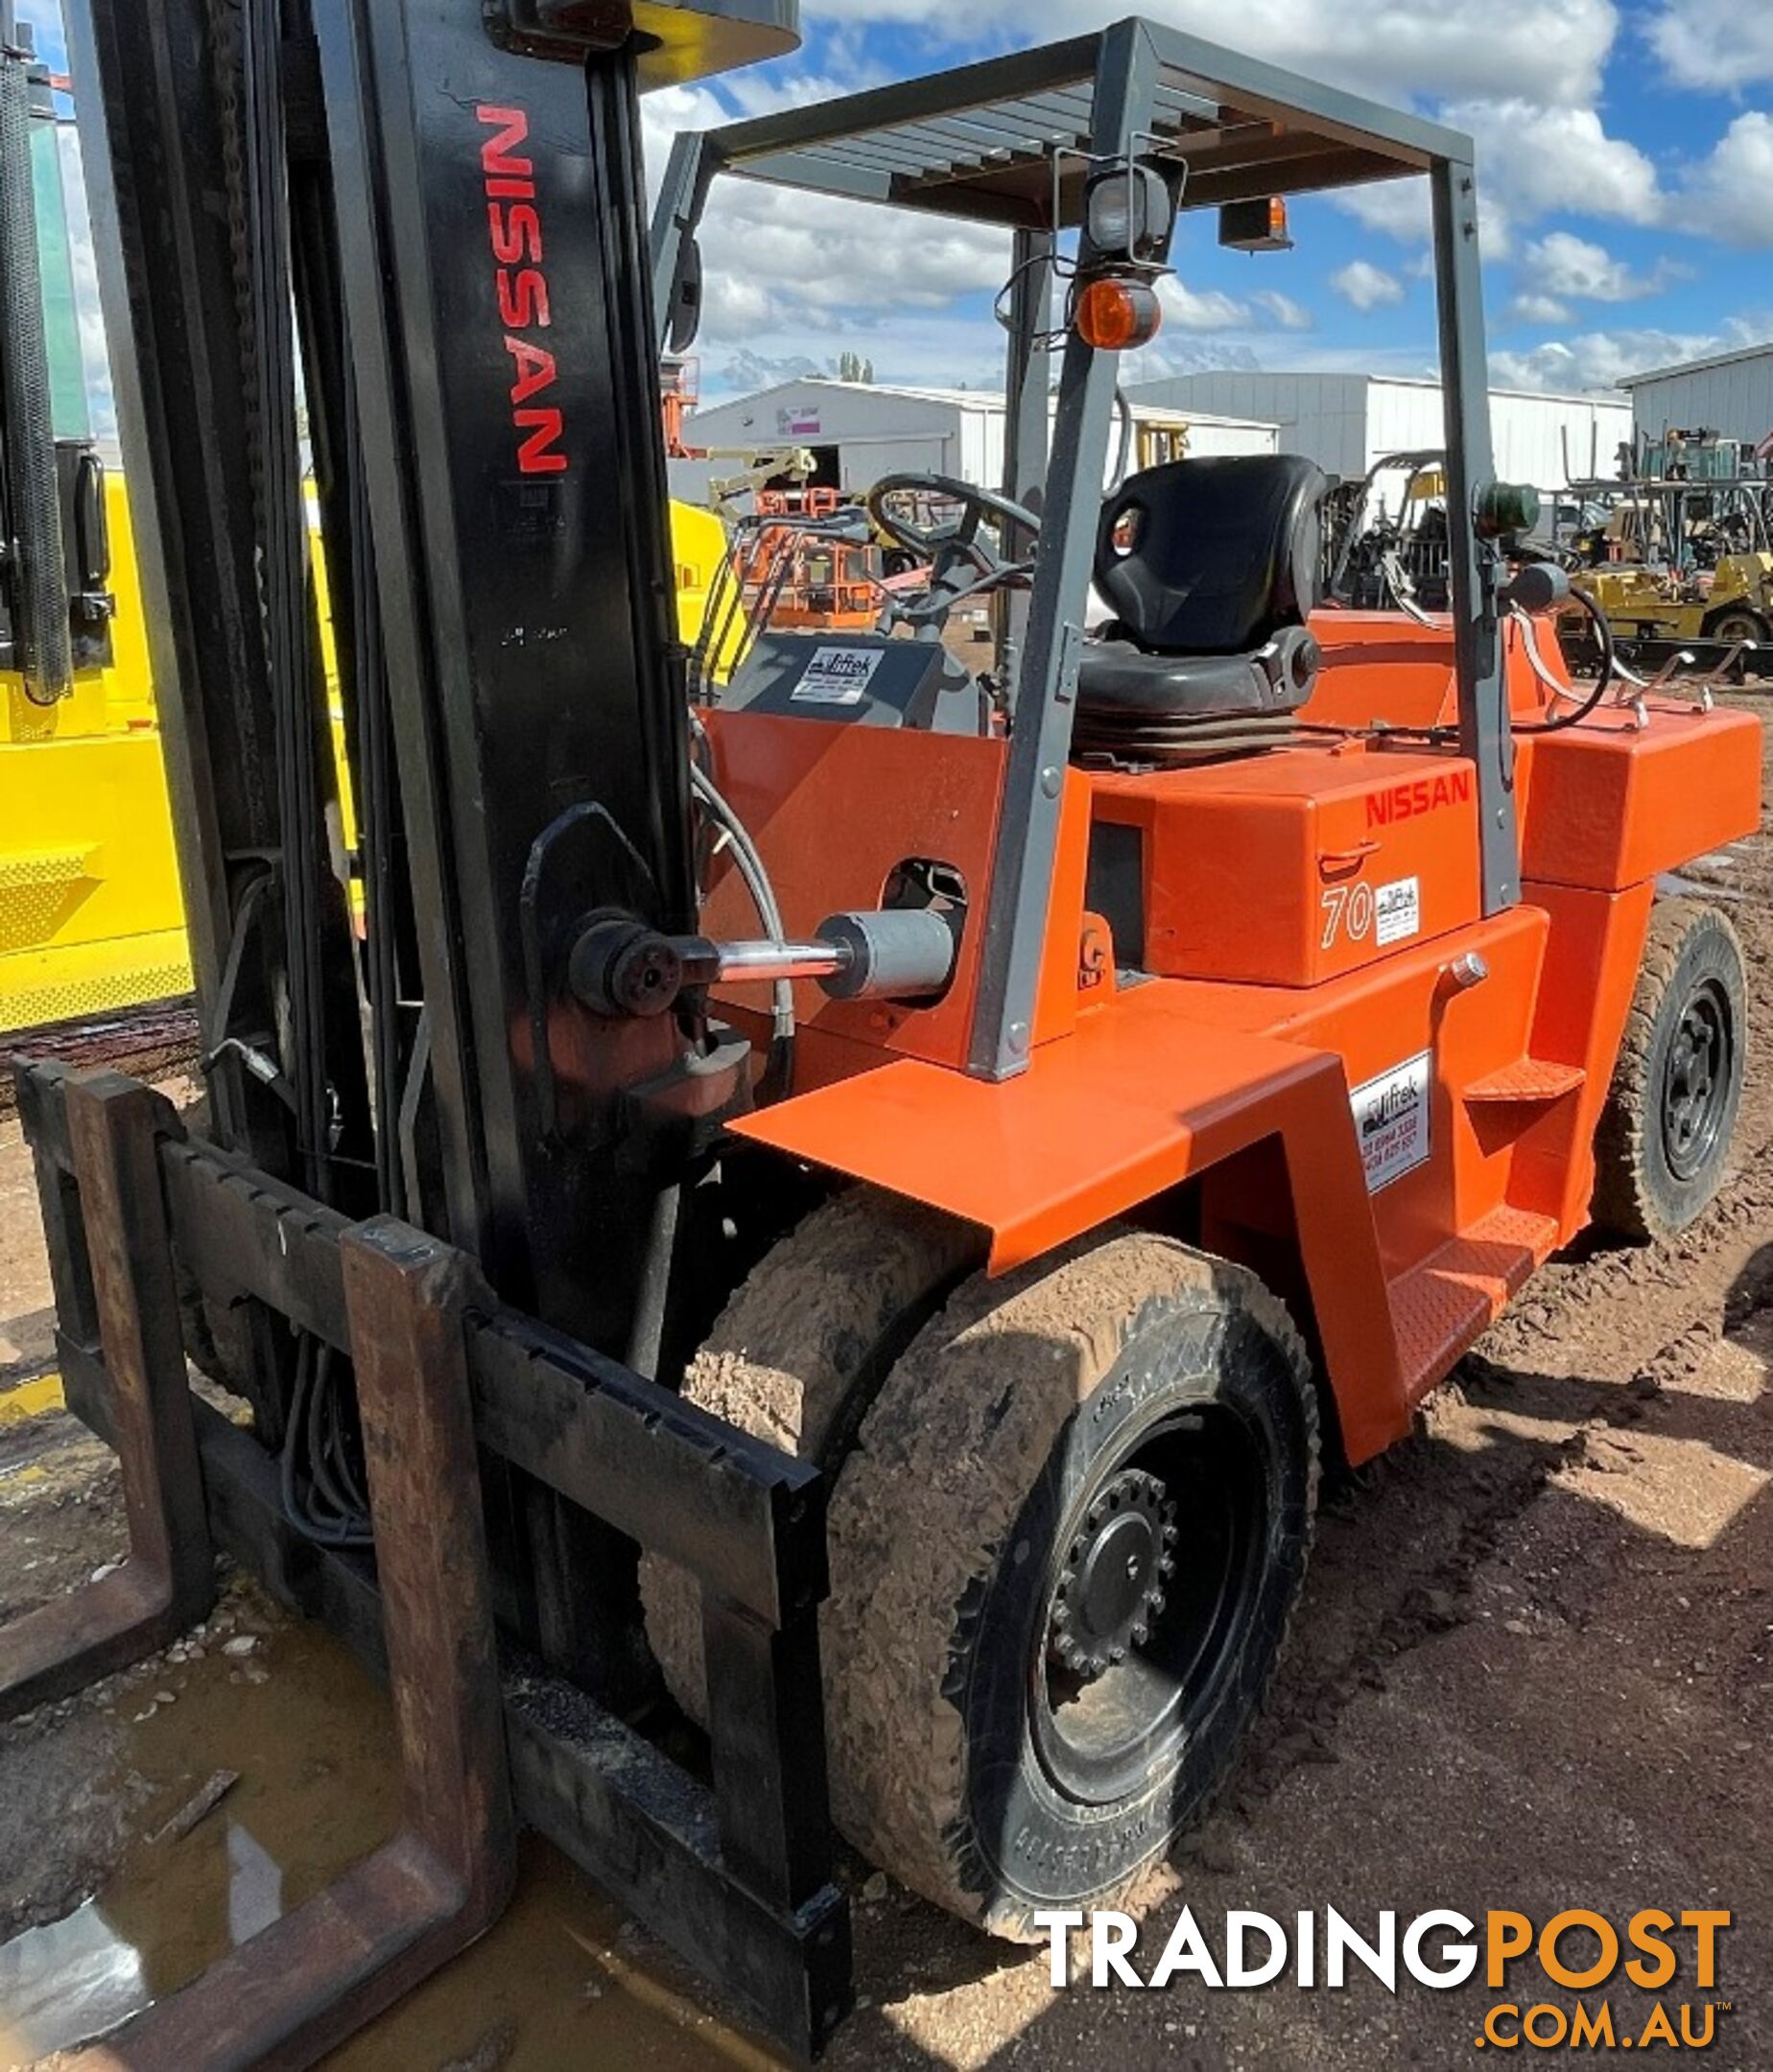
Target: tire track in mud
{"points": [[1713, 1283]]}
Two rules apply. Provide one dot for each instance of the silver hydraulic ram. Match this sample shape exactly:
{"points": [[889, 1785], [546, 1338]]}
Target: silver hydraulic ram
{"points": [[621, 967]]}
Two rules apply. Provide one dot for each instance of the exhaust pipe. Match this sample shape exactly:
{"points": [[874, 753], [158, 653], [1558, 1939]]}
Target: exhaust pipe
{"points": [[35, 554]]}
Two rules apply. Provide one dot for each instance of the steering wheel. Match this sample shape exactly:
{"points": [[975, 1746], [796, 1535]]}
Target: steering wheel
{"points": [[932, 544]]}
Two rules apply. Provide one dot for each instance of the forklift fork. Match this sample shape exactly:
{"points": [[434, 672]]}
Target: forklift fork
{"points": [[736, 1875], [303, 1985], [127, 1289]]}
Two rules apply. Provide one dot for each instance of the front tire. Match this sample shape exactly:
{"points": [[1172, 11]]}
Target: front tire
{"points": [[1065, 1554], [796, 1358], [1664, 1142]]}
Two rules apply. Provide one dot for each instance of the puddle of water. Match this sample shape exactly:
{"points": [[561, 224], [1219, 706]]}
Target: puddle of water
{"points": [[554, 1985]]}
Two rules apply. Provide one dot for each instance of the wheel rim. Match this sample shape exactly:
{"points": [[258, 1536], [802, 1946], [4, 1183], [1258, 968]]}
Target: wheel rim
{"points": [[1151, 1583], [1698, 1079]]}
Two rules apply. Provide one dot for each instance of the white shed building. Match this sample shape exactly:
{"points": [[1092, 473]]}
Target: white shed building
{"points": [[1347, 422], [1732, 395], [858, 432]]}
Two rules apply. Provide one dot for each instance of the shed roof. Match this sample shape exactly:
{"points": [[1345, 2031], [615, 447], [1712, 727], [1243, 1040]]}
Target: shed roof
{"points": [[1698, 366]]}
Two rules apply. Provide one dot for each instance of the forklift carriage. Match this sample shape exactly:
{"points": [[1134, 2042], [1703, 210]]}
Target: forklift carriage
{"points": [[952, 1150]]}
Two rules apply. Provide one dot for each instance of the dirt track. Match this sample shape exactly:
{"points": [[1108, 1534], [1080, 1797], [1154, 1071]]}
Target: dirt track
{"points": [[1534, 1670]]}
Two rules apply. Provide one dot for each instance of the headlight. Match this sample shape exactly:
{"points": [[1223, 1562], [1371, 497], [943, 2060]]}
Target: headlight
{"points": [[1128, 213]]}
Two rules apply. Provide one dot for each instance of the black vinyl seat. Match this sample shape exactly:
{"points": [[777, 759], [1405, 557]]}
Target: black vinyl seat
{"points": [[1212, 568]]}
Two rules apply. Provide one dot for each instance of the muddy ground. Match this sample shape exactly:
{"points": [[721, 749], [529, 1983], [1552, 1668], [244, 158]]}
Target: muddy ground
{"points": [[1534, 1669]]}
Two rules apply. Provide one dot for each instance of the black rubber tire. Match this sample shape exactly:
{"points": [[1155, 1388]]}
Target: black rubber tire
{"points": [[1643, 1190], [795, 1358], [1737, 621], [1006, 1413]]}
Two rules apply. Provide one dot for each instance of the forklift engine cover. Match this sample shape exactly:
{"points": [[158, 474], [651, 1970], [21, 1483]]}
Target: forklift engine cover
{"points": [[1285, 870]]}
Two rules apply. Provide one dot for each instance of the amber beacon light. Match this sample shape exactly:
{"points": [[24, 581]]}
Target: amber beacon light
{"points": [[1116, 314]]}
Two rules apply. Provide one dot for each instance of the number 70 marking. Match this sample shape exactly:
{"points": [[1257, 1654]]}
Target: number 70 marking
{"points": [[1348, 910]]}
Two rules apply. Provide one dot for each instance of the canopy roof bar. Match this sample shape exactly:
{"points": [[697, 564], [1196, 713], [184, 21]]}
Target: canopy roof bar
{"points": [[979, 142]]}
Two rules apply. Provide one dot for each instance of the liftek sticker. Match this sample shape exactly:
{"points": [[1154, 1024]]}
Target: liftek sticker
{"points": [[1397, 910], [1392, 1118], [837, 677]]}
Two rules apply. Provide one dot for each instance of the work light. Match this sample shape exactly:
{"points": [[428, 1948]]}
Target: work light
{"points": [[1128, 213]]}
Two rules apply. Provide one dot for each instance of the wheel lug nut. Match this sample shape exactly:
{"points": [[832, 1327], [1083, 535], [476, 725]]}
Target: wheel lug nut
{"points": [[1140, 1635], [1116, 1654]]}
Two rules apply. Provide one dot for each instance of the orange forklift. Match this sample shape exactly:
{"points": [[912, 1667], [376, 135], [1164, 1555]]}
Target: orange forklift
{"points": [[871, 1196]]}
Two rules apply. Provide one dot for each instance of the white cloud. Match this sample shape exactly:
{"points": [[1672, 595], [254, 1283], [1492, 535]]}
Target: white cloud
{"points": [[1563, 265], [1727, 195], [1532, 162], [1540, 309], [1600, 358], [1366, 286], [1398, 209], [1207, 309], [796, 277], [1283, 310], [1714, 48], [1534, 159], [801, 277], [1389, 48]]}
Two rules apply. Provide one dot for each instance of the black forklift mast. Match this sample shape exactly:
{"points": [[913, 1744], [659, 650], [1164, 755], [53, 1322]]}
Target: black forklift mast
{"points": [[456, 200], [450, 196]]}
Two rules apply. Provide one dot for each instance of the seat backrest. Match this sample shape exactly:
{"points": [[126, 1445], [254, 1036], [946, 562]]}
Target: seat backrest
{"points": [[1213, 556]]}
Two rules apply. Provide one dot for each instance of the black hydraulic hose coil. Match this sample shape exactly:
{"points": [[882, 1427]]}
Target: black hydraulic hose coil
{"points": [[44, 636]]}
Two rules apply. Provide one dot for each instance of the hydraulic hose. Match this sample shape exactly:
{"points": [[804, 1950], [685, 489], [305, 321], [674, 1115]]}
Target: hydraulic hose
{"points": [[1561, 721], [44, 636], [755, 875]]}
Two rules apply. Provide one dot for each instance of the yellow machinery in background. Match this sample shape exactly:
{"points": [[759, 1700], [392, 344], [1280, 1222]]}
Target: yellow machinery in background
{"points": [[1681, 563], [91, 920], [91, 915]]}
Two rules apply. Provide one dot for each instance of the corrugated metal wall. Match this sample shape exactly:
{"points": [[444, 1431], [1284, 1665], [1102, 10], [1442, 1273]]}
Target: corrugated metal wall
{"points": [[1320, 414], [1735, 399], [1346, 422], [886, 431]]}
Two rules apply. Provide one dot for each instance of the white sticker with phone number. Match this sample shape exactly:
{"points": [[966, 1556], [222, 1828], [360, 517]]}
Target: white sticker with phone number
{"points": [[1392, 1118], [1397, 910], [837, 677]]}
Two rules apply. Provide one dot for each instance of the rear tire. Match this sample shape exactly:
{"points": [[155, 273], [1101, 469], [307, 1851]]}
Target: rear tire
{"points": [[1664, 1142], [1023, 1707]]}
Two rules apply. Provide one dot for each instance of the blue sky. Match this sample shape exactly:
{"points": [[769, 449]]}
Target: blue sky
{"points": [[1625, 159]]}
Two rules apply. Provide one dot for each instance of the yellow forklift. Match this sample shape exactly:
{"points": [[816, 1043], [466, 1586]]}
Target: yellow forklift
{"points": [[1682, 568]]}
